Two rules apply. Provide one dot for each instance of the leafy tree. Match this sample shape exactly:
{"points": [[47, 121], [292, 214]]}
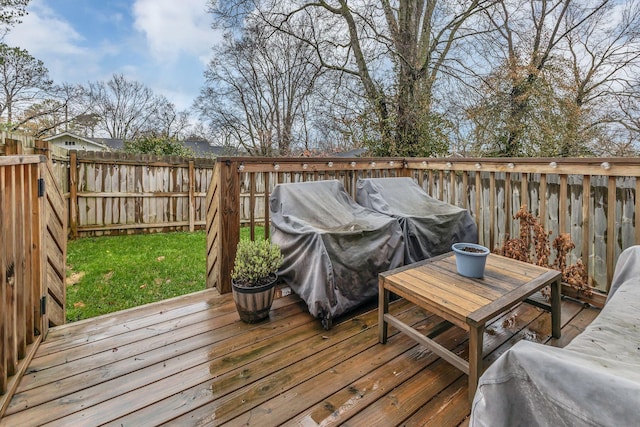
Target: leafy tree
{"points": [[157, 144], [23, 80]]}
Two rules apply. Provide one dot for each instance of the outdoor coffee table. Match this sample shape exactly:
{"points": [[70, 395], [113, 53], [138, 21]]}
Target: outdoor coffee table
{"points": [[435, 286]]}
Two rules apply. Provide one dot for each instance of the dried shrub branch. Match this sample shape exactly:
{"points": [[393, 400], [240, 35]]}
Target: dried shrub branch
{"points": [[532, 232]]}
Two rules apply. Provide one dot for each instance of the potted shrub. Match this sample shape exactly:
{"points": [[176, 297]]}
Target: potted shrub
{"points": [[471, 259], [254, 278]]}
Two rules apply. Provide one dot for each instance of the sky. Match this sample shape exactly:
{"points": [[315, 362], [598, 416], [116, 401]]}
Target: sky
{"points": [[164, 44]]}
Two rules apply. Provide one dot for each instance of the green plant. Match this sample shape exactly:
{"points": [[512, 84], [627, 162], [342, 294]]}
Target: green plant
{"points": [[256, 262]]}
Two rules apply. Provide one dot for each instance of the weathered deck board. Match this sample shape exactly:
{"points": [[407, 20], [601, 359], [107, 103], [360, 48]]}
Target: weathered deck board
{"points": [[191, 360]]}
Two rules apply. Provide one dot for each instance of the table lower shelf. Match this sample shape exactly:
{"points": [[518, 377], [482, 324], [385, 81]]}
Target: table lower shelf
{"points": [[429, 343]]}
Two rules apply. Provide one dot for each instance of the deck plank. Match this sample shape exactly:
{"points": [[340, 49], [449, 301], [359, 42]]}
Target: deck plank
{"points": [[191, 360], [382, 367], [150, 363], [233, 392]]}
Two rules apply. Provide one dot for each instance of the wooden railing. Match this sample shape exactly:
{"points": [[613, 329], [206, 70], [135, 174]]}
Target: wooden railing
{"points": [[592, 199], [32, 266]]}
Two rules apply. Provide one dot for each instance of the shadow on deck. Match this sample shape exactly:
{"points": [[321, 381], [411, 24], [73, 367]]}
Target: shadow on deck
{"points": [[190, 360]]}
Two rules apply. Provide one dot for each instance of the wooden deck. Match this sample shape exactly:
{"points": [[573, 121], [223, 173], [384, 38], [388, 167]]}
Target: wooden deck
{"points": [[191, 361]]}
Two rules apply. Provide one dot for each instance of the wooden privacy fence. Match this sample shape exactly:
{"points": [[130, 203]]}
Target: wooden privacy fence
{"points": [[592, 199], [32, 263], [19, 144], [114, 193]]}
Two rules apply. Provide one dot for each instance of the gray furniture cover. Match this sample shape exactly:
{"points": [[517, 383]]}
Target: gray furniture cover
{"points": [[333, 248], [593, 381], [429, 225]]}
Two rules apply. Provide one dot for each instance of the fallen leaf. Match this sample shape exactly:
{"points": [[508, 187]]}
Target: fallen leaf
{"points": [[79, 304], [143, 286], [160, 258], [75, 278], [108, 276]]}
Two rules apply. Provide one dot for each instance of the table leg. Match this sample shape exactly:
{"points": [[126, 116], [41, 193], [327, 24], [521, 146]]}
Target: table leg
{"points": [[556, 323], [476, 334], [383, 308]]}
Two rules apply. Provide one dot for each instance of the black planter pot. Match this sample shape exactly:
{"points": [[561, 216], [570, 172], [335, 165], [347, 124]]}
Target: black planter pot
{"points": [[254, 303]]}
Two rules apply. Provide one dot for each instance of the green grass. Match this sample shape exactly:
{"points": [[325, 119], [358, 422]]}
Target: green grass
{"points": [[107, 274]]}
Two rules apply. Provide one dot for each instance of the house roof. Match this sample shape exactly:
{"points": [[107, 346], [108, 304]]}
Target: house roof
{"points": [[113, 143], [202, 147], [91, 141]]}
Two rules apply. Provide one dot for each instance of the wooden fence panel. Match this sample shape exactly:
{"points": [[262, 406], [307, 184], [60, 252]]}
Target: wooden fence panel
{"points": [[114, 193]]}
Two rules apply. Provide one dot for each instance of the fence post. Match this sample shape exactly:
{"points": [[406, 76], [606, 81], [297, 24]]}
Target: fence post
{"points": [[73, 193], [223, 224], [42, 147], [192, 197], [230, 220], [12, 147]]}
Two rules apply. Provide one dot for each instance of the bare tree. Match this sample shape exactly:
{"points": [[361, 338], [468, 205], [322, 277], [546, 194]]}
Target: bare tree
{"points": [[170, 122], [257, 89], [398, 51], [10, 13], [59, 111], [24, 80], [533, 100], [605, 62], [126, 109]]}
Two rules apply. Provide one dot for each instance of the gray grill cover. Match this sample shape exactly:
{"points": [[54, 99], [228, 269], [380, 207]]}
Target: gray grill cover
{"points": [[333, 248], [430, 226]]}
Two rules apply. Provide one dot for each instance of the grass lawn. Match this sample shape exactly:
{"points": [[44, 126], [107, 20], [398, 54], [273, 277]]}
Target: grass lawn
{"points": [[106, 274]]}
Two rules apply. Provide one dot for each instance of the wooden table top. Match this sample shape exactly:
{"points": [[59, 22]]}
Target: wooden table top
{"points": [[434, 284]]}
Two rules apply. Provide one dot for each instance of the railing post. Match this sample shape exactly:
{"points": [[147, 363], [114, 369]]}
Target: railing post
{"points": [[13, 268], [611, 229], [73, 194], [5, 260], [230, 221], [223, 224]]}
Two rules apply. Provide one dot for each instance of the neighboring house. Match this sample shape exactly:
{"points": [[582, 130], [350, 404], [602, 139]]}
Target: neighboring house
{"points": [[71, 141], [203, 148]]}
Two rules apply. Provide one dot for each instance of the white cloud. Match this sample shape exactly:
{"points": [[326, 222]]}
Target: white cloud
{"points": [[175, 27], [49, 37], [43, 33]]}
